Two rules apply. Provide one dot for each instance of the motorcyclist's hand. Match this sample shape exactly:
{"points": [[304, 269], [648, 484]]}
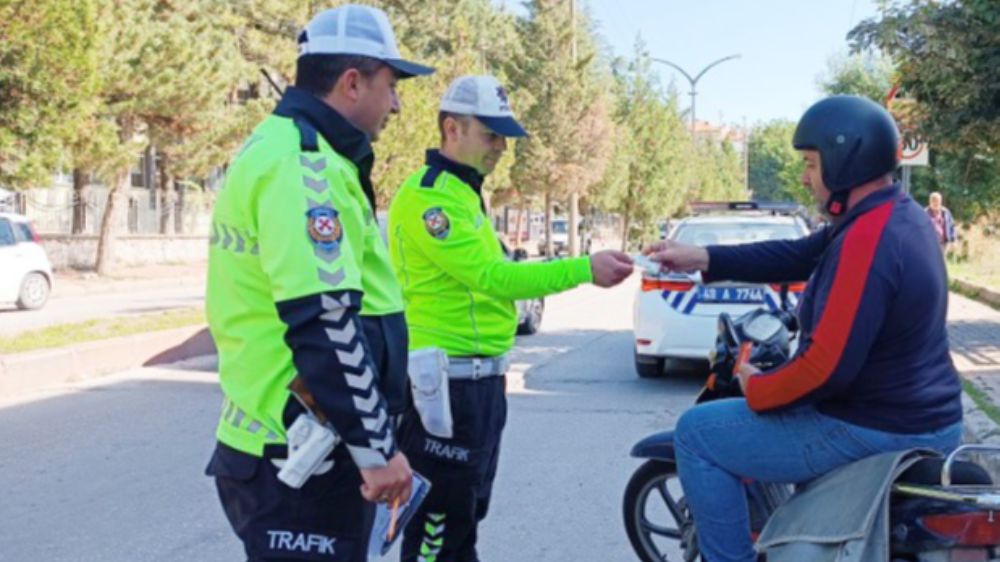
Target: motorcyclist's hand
{"points": [[389, 484], [654, 247], [677, 256], [610, 267], [744, 373]]}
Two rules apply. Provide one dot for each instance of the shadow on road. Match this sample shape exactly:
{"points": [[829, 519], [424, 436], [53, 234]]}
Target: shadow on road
{"points": [[591, 357], [197, 345], [978, 341], [133, 452]]}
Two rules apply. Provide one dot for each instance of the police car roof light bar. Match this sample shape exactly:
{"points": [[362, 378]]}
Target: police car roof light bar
{"points": [[785, 208]]}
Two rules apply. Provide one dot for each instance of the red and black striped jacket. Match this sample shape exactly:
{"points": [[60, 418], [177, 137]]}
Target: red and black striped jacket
{"points": [[874, 345]]}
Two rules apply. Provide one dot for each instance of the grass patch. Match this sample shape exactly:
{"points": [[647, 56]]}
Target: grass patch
{"points": [[981, 400], [974, 294], [983, 274], [101, 328]]}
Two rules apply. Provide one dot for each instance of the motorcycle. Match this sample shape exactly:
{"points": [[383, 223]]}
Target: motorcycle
{"points": [[941, 509]]}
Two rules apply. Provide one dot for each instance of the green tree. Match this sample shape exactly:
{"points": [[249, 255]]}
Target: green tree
{"points": [[560, 79], [164, 72], [775, 167], [946, 55], [457, 38], [862, 74], [650, 175], [718, 171], [48, 72], [200, 123]]}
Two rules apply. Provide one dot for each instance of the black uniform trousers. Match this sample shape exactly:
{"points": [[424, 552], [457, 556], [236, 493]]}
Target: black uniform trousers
{"points": [[327, 519], [461, 471]]}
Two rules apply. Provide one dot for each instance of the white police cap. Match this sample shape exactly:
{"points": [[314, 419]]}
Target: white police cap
{"points": [[356, 30], [484, 98]]}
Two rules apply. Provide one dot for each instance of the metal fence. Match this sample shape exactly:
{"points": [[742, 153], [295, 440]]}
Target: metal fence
{"points": [[52, 210]]}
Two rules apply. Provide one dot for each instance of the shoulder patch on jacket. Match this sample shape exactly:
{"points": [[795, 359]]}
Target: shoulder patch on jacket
{"points": [[437, 223], [323, 225]]}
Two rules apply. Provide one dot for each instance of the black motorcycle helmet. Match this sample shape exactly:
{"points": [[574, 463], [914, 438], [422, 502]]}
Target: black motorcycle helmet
{"points": [[857, 141]]}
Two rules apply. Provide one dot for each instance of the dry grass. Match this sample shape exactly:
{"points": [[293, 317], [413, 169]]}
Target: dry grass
{"points": [[977, 258], [101, 328]]}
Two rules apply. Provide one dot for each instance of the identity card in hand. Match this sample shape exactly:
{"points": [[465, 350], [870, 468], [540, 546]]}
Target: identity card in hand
{"points": [[647, 265], [386, 522]]}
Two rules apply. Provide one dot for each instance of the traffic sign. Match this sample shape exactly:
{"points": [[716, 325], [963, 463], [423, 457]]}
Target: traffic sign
{"points": [[914, 151]]}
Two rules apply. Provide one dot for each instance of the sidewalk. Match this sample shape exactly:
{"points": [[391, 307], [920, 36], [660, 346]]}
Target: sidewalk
{"points": [[974, 331], [72, 283]]}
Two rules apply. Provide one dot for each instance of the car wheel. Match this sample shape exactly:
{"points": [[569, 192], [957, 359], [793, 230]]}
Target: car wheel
{"points": [[648, 366], [34, 291], [532, 318]]}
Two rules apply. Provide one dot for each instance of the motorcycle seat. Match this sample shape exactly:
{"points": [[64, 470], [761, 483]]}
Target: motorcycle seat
{"points": [[927, 472]]}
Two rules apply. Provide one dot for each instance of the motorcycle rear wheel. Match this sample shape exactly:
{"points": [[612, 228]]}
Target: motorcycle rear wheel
{"points": [[655, 489]]}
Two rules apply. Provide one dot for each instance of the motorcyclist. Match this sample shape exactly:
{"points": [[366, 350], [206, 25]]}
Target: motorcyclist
{"points": [[873, 371]]}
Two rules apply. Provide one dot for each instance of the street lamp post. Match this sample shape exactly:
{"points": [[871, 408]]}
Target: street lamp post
{"points": [[694, 81]]}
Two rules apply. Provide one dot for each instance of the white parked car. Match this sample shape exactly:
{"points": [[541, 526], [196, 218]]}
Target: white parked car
{"points": [[560, 238], [529, 311], [676, 315], [25, 271]]}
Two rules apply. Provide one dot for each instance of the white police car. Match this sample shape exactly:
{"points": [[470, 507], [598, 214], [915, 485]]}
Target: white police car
{"points": [[675, 315]]}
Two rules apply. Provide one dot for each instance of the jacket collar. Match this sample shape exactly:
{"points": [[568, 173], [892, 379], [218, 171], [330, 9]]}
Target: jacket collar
{"points": [[346, 139], [871, 201], [467, 174]]}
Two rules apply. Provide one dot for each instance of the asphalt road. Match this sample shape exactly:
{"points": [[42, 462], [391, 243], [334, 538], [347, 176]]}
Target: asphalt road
{"points": [[123, 301], [112, 470]]}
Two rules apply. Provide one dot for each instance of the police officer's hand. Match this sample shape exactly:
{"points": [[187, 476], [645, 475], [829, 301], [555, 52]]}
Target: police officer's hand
{"points": [[610, 267], [389, 484], [677, 256]]}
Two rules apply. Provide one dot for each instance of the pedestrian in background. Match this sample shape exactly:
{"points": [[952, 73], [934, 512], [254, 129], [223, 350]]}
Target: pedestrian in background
{"points": [[944, 223]]}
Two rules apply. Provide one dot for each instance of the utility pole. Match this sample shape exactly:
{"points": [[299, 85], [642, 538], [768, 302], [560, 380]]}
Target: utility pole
{"points": [[574, 196], [746, 158], [694, 81]]}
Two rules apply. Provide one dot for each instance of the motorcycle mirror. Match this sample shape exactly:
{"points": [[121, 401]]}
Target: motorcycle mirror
{"points": [[726, 330]]}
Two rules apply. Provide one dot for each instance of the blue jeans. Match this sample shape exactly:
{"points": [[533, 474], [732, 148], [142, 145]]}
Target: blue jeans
{"points": [[719, 443]]}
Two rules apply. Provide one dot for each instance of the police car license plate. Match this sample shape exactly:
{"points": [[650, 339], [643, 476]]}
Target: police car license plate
{"points": [[732, 295]]}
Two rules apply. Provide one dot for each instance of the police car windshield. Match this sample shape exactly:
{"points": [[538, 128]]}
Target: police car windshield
{"points": [[559, 227], [705, 234]]}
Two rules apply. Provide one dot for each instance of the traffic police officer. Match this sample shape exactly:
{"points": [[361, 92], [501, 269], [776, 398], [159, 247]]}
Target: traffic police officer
{"points": [[300, 284], [459, 290]]}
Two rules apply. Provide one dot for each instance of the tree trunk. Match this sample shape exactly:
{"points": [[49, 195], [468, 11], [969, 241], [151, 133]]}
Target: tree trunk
{"points": [[574, 219], [178, 208], [517, 224], [79, 205], [117, 201], [626, 225], [549, 245], [166, 203]]}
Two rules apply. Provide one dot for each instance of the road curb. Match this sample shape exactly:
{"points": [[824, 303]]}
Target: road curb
{"points": [[977, 292], [33, 370], [980, 428]]}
